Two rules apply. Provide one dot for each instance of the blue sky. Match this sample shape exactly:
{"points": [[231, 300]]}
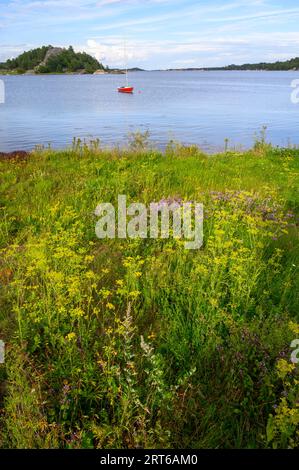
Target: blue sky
{"points": [[159, 33]]}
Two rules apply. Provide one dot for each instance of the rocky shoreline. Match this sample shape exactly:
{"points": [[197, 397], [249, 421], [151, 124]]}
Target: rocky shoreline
{"points": [[81, 72]]}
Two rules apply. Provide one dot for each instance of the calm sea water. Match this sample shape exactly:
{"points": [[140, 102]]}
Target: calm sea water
{"points": [[193, 107]]}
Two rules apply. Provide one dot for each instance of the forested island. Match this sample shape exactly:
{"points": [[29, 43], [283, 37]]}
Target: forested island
{"points": [[292, 64], [49, 59]]}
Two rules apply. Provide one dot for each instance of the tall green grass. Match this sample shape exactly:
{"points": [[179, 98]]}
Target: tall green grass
{"points": [[141, 343]]}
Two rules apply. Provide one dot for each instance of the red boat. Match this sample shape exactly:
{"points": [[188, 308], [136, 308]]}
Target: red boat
{"points": [[126, 89]]}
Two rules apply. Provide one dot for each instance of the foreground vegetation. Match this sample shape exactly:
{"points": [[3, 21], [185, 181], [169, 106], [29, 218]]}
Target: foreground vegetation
{"points": [[129, 343]]}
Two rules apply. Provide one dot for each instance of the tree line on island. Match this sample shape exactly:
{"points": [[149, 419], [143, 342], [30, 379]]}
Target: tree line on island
{"points": [[292, 64], [49, 59]]}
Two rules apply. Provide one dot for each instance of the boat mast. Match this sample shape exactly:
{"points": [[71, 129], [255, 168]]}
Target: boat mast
{"points": [[126, 62]]}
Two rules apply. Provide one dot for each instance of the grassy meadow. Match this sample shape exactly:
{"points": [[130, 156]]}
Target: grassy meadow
{"points": [[140, 343]]}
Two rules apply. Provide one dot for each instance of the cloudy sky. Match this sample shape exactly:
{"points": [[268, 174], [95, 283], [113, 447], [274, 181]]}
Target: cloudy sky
{"points": [[159, 33]]}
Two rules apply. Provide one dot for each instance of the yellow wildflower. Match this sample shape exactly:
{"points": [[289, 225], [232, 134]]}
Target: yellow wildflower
{"points": [[151, 336], [284, 368], [70, 336], [134, 294], [294, 327], [88, 258], [110, 306]]}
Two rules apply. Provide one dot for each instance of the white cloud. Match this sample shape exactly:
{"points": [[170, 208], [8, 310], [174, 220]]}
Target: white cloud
{"points": [[111, 50], [113, 53], [184, 62]]}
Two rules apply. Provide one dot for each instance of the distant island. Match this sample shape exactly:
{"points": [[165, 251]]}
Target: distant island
{"points": [[54, 60], [292, 64]]}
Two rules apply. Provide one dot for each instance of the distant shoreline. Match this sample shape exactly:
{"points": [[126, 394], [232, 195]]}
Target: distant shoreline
{"points": [[50, 60], [121, 72]]}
